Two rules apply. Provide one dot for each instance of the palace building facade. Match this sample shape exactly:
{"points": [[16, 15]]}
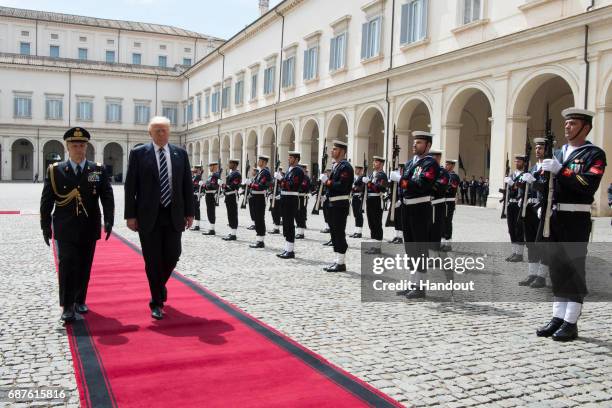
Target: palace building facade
{"points": [[481, 75]]}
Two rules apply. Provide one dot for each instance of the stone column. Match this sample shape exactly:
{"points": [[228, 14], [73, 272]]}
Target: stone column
{"points": [[501, 138]]}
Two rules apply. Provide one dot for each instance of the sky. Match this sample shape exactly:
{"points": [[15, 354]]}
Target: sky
{"points": [[221, 19]]}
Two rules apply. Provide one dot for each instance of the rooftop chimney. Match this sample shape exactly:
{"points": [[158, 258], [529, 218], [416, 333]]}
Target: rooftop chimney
{"points": [[264, 6]]}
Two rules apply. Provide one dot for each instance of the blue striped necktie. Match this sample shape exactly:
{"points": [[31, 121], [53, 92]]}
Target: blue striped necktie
{"points": [[164, 182]]}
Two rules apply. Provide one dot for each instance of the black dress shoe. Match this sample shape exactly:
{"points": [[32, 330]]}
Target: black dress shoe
{"points": [[230, 237], [325, 231], [286, 255], [528, 280], [156, 313], [373, 251], [328, 243], [299, 236], [335, 268], [251, 227], [68, 314], [81, 308], [550, 328], [209, 232], [258, 244], [196, 228], [415, 294], [567, 332], [510, 258], [517, 258], [274, 231], [539, 282]]}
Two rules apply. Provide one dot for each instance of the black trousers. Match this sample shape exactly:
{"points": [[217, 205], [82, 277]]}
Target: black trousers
{"points": [[397, 220], [289, 208], [531, 223], [515, 226], [232, 210], [374, 213], [416, 220], [464, 196], [251, 210], [338, 213], [437, 226], [258, 204], [196, 204], [448, 220], [569, 236], [211, 208], [75, 259], [161, 249], [356, 205], [326, 213], [473, 197], [300, 216], [276, 211]]}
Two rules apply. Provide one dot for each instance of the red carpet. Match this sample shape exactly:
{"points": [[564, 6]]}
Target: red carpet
{"points": [[205, 353], [9, 212]]}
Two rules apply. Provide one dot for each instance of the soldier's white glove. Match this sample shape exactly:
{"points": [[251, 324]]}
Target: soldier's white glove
{"points": [[395, 176], [540, 212], [323, 178], [528, 178], [509, 181], [278, 176], [201, 183], [551, 165], [398, 203], [366, 179]]}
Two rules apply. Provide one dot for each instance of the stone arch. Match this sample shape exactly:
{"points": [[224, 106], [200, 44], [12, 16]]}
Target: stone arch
{"points": [[286, 143], [225, 149], [237, 148], [22, 156], [310, 145], [91, 152], [251, 150], [197, 149], [205, 155], [414, 114], [113, 160], [370, 136], [53, 151], [266, 146], [189, 149]]}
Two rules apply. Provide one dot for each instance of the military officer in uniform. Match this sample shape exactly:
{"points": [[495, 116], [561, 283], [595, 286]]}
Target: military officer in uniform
{"points": [[356, 201], [304, 193], [338, 187], [196, 177], [71, 192], [211, 189], [515, 226], [290, 184], [577, 169], [376, 186], [416, 183], [538, 271], [230, 191], [259, 187], [450, 199], [438, 203]]}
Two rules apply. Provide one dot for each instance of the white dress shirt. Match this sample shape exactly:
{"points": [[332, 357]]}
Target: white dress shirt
{"points": [[168, 160]]}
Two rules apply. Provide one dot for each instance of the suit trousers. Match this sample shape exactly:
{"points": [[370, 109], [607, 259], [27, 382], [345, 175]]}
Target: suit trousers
{"points": [[515, 225], [416, 220], [338, 213], [258, 203], [232, 210], [448, 220], [289, 208], [531, 223], [161, 249], [211, 208], [75, 259], [196, 204], [375, 212], [300, 217], [356, 205]]}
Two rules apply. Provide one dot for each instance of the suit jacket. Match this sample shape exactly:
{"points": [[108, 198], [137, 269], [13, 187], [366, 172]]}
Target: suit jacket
{"points": [[142, 188], [69, 224]]}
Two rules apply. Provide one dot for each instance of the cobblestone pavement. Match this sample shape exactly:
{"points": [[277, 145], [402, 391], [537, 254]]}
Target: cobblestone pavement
{"points": [[420, 353]]}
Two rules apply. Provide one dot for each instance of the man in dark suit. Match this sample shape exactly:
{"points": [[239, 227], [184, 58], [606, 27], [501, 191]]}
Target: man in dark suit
{"points": [[159, 205], [73, 187]]}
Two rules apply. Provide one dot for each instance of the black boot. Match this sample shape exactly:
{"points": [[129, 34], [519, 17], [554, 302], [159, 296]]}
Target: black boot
{"points": [[539, 282], [335, 268], [195, 228], [230, 237], [510, 258], [550, 328], [81, 308], [258, 244], [528, 280], [517, 258], [567, 332], [286, 255], [209, 232]]}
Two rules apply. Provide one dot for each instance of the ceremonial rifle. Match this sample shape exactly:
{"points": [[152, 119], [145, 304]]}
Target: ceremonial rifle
{"points": [[317, 206], [396, 149], [548, 194], [217, 196], [276, 167], [526, 169], [365, 186], [506, 190], [247, 188]]}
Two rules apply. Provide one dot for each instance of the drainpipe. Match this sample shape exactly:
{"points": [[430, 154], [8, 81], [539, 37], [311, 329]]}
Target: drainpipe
{"points": [[280, 82], [388, 80], [69, 96], [221, 99], [156, 109], [586, 59]]}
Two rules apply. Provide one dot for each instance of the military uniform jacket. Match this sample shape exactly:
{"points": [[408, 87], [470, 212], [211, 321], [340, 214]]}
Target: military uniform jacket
{"points": [[358, 186], [340, 182], [517, 189], [378, 183], [77, 213], [232, 181], [195, 180], [305, 187], [419, 177], [262, 181], [441, 184], [453, 184], [580, 174], [292, 181], [534, 196], [212, 182]]}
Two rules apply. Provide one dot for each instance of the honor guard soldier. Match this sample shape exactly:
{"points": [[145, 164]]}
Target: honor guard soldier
{"points": [[577, 170], [249, 202], [277, 210], [304, 193], [230, 191], [259, 187], [450, 199], [376, 186], [356, 201], [397, 218], [338, 188], [438, 203], [290, 184], [538, 271], [196, 177], [515, 226], [211, 188], [416, 183], [326, 229], [71, 191]]}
